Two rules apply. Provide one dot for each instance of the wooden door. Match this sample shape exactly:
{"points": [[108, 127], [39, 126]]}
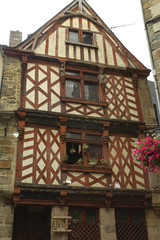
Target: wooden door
{"points": [[31, 223]]}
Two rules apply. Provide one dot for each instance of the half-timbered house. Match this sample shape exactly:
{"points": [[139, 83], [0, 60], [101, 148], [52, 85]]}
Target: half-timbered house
{"points": [[84, 101]]}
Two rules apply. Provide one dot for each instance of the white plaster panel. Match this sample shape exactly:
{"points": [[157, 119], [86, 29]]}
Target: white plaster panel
{"points": [[41, 48], [129, 91], [44, 67], [134, 118], [93, 28], [100, 48], [109, 53], [78, 53], [27, 171], [71, 51], [66, 23], [28, 144], [32, 74], [44, 107], [86, 57], [27, 162], [27, 152], [93, 55], [84, 24], [54, 77], [30, 65], [76, 22], [52, 44], [132, 104], [120, 62], [28, 180], [61, 44], [29, 106], [29, 84]]}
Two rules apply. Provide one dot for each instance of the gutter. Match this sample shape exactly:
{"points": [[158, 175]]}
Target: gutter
{"points": [[151, 57]]}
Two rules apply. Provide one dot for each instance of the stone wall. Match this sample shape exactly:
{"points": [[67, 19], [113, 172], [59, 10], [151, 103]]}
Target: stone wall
{"points": [[146, 103], [151, 9], [9, 102], [107, 224], [10, 93]]}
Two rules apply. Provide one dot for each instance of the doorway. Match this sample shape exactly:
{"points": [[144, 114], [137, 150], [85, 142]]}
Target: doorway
{"points": [[31, 223]]}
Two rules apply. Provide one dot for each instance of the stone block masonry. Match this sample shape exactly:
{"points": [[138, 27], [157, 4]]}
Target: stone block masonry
{"points": [[10, 95]]}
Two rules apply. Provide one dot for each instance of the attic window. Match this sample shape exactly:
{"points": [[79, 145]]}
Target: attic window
{"points": [[79, 36], [73, 36], [87, 38]]}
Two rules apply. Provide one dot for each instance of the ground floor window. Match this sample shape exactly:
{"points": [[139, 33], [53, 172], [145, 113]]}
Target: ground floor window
{"points": [[84, 224], [130, 224]]}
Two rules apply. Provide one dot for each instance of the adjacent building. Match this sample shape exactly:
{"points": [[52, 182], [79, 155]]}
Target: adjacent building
{"points": [[76, 100]]}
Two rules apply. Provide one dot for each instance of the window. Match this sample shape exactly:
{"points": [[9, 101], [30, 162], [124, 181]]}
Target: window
{"points": [[85, 222], [82, 85], [91, 91], [72, 89], [87, 38], [81, 148], [80, 36], [130, 224], [73, 36]]}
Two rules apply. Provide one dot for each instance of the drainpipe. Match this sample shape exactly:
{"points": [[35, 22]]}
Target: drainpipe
{"points": [[152, 62], [1, 77]]}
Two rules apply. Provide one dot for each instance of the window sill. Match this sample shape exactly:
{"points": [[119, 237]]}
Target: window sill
{"points": [[84, 101], [88, 169], [82, 44]]}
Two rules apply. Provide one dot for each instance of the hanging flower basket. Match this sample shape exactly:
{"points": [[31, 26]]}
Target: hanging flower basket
{"points": [[147, 153]]}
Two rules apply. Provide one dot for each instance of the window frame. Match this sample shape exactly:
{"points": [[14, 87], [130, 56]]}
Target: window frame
{"points": [[83, 82], [81, 33], [83, 141]]}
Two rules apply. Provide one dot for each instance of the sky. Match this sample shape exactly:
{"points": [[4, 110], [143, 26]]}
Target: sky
{"points": [[30, 15]]}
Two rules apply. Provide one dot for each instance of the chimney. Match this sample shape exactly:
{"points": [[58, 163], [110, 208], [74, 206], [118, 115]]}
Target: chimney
{"points": [[15, 38]]}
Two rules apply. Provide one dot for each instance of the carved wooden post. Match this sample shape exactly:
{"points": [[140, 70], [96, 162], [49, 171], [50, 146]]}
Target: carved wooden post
{"points": [[105, 147], [105, 141], [21, 123], [63, 127], [102, 83]]}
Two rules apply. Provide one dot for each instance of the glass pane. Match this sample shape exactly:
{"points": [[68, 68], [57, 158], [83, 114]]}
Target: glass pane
{"points": [[94, 152], [93, 137], [136, 215], [74, 152], [87, 38], [90, 215], [121, 214], [72, 73], [91, 91], [73, 36], [74, 135], [76, 214], [90, 75], [72, 89]]}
